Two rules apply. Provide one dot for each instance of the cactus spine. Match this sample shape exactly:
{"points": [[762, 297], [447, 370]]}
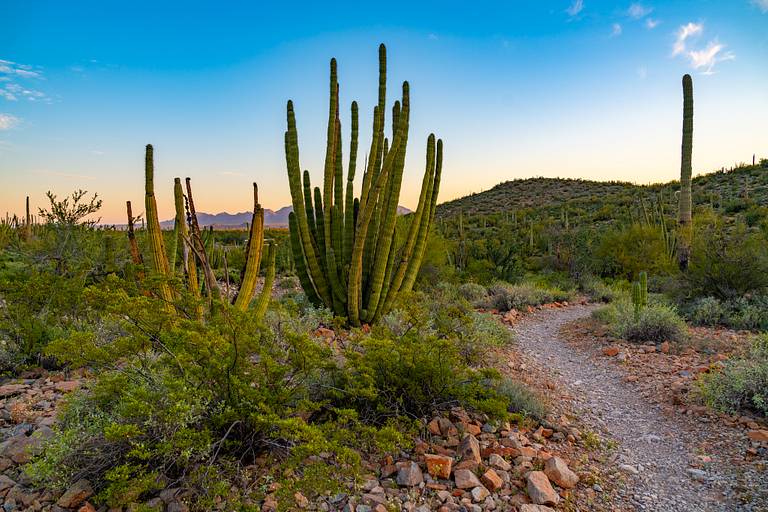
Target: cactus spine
{"points": [[344, 247], [684, 222], [250, 273]]}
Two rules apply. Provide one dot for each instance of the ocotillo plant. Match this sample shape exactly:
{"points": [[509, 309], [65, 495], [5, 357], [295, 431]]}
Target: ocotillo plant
{"points": [[344, 247], [684, 223]]}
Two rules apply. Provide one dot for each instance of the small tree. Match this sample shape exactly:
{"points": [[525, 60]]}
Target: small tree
{"points": [[71, 214]]}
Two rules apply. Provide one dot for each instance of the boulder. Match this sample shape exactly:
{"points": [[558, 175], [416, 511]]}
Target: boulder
{"points": [[439, 466], [469, 449], [540, 490], [465, 479], [76, 494], [492, 480], [558, 471], [410, 475], [527, 507]]}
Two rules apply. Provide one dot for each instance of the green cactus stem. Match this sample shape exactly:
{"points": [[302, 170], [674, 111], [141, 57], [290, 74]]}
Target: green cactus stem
{"points": [[157, 252], [684, 220]]}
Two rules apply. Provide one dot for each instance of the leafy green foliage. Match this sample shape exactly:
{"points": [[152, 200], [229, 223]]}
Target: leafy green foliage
{"points": [[505, 297], [656, 322], [742, 384]]}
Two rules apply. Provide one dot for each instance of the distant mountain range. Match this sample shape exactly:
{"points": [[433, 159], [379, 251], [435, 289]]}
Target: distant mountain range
{"points": [[272, 219]]}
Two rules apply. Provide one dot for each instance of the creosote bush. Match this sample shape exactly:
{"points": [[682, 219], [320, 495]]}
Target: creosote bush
{"points": [[656, 322], [742, 384], [505, 297]]}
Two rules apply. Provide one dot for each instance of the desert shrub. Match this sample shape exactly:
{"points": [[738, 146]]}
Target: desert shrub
{"points": [[707, 311], [598, 291], [626, 251], [656, 322], [505, 297], [726, 263], [742, 384], [472, 292], [521, 399], [189, 401]]}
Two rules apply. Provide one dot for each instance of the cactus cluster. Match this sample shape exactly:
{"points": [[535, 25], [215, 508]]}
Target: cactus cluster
{"points": [[344, 246], [195, 252], [640, 294], [684, 222]]}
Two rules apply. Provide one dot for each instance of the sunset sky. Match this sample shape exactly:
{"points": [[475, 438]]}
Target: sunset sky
{"points": [[569, 88]]}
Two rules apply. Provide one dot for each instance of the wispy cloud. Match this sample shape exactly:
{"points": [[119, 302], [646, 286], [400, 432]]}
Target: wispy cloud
{"points": [[683, 34], [642, 72], [8, 121], [15, 77], [703, 59], [651, 23], [761, 4], [616, 30], [638, 11], [575, 8], [706, 59], [433, 37], [96, 152]]}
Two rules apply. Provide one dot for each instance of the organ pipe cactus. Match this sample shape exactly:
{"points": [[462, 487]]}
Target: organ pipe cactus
{"points": [[344, 246], [188, 238], [156, 244], [684, 221]]}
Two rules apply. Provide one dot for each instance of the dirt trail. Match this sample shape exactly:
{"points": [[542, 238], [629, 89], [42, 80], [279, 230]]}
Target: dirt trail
{"points": [[652, 448]]}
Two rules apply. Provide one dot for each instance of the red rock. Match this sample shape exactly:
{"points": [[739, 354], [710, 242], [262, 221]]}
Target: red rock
{"points": [[87, 508], [465, 479], [439, 466], [540, 490], [12, 389], [469, 449], [492, 480], [558, 471], [611, 351], [758, 435], [76, 494], [664, 347], [466, 464], [67, 386]]}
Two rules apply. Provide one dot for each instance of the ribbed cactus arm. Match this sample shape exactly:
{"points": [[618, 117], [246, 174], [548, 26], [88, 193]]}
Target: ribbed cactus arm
{"points": [[314, 270], [389, 210], [299, 261], [250, 274], [413, 230], [154, 233], [269, 279], [349, 206], [426, 222]]}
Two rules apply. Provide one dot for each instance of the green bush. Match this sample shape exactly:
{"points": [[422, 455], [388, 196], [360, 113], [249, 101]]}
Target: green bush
{"points": [[727, 262], [708, 311], [472, 292], [656, 322], [749, 312], [598, 291], [627, 251], [505, 297], [521, 399], [742, 384]]}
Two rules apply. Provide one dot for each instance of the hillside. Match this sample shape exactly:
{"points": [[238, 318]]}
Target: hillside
{"points": [[721, 189]]}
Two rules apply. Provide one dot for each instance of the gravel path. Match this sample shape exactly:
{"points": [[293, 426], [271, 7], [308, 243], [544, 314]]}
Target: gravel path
{"points": [[652, 448]]}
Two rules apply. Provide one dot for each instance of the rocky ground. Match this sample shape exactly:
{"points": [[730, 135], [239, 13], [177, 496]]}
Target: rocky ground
{"points": [[665, 453], [622, 434]]}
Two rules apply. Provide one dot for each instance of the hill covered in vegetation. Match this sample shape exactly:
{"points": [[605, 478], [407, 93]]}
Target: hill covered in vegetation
{"points": [[724, 190]]}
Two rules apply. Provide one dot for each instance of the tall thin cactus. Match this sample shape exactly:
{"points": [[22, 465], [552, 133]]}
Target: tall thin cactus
{"points": [[159, 258], [684, 220], [344, 247]]}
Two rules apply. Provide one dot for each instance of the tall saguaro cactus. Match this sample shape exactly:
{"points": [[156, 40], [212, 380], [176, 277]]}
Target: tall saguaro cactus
{"points": [[684, 221], [345, 247]]}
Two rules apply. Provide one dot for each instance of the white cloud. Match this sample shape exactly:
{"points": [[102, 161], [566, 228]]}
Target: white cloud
{"points": [[8, 121], [638, 11], [433, 37], [14, 75], [703, 59], [616, 30], [706, 59], [576, 7], [761, 4], [96, 152], [683, 33], [651, 23], [642, 72]]}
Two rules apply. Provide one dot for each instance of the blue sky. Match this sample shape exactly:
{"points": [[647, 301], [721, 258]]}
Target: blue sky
{"points": [[516, 89]]}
